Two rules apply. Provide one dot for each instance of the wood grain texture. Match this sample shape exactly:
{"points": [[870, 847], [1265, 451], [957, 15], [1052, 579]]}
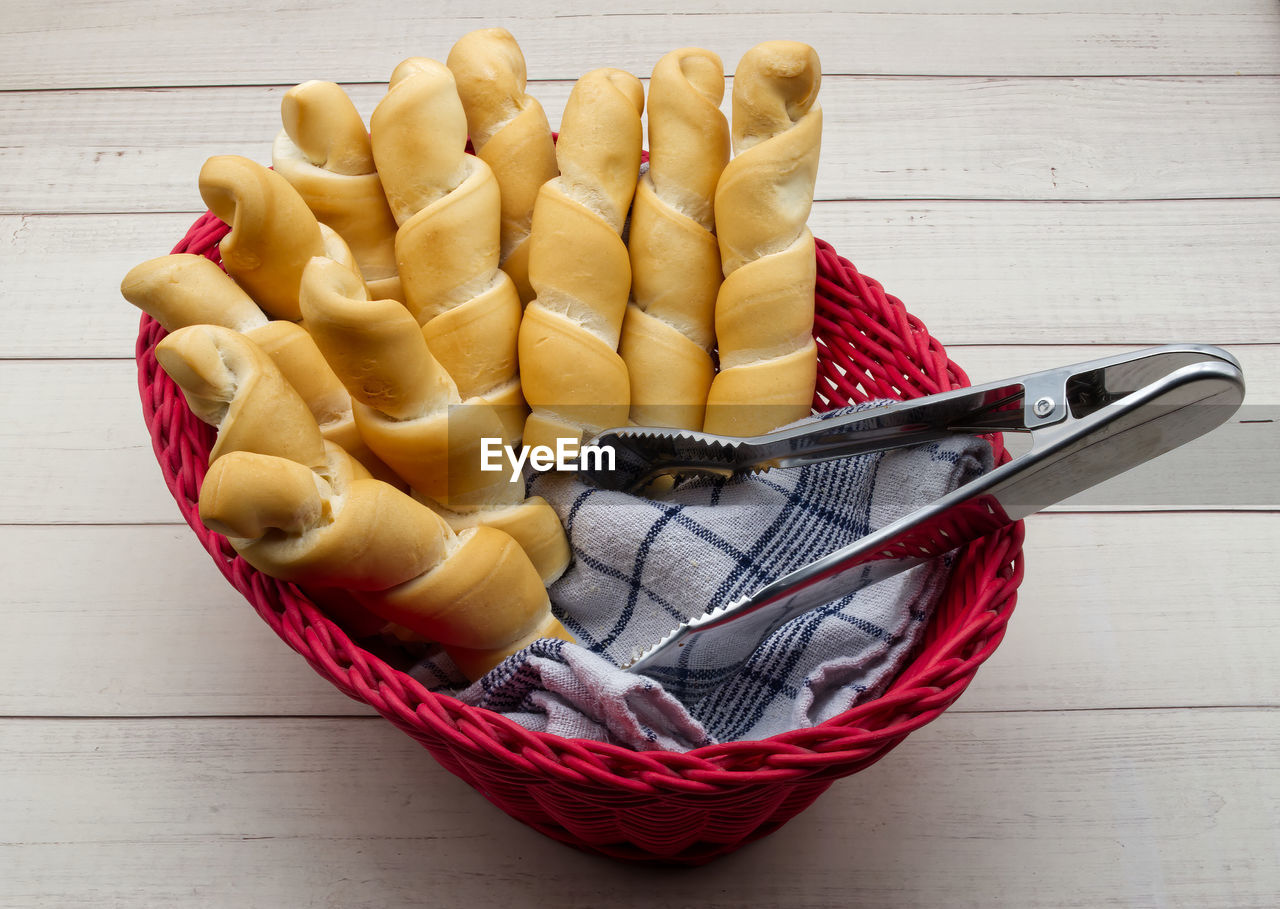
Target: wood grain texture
{"points": [[186, 43], [145, 625], [1041, 181], [137, 621], [884, 138], [70, 436], [986, 273], [971, 810]]}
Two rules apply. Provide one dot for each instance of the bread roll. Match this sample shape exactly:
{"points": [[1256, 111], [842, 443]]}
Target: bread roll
{"points": [[764, 311], [510, 133], [475, 593], [409, 412], [669, 331], [573, 377], [182, 290], [448, 205], [336, 248], [273, 232], [231, 384], [294, 352], [324, 153]]}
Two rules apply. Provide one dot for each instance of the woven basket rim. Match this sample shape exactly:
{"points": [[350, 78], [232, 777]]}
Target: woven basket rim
{"points": [[937, 674]]}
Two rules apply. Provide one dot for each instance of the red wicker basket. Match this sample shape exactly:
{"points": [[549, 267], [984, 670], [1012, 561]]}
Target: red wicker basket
{"points": [[655, 806]]}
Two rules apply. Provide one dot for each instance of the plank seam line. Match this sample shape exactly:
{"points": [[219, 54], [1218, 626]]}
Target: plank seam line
{"points": [[341, 717], [533, 83], [878, 200], [864, 200]]}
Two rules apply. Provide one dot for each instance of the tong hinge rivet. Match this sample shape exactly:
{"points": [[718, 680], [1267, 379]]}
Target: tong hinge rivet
{"points": [[1043, 407]]}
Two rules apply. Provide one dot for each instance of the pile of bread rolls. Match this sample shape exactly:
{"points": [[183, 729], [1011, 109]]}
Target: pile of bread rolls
{"points": [[388, 301]]}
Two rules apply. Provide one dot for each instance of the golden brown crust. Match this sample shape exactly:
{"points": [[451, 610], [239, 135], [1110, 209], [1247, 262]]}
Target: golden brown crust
{"points": [[336, 248], [769, 318], [231, 384], [273, 232], [582, 388], [764, 311], [598, 151], [295, 354], [416, 168], [364, 536], [294, 351], [572, 374], [262, 495], [466, 599], [477, 594], [510, 132], [440, 454], [185, 289], [409, 413], [669, 333], [326, 128], [324, 152], [533, 524], [448, 247], [489, 70], [374, 346], [679, 371], [476, 343], [688, 135], [516, 266], [449, 250]]}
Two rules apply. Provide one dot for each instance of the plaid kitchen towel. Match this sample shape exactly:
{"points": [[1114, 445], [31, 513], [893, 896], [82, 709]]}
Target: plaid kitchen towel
{"points": [[643, 565]]}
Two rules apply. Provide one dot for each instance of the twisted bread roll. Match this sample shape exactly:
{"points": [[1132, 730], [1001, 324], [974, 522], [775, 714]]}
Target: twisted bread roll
{"points": [[510, 133], [409, 412], [336, 248], [273, 233], [475, 593], [182, 290], [572, 374], [764, 311], [324, 153], [447, 203], [669, 330], [231, 384]]}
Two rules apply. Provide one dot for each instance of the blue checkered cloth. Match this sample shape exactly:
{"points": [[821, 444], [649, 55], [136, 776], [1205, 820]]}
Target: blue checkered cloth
{"points": [[643, 565]]}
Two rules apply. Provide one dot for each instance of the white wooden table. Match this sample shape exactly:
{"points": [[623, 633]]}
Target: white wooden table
{"points": [[1041, 181]]}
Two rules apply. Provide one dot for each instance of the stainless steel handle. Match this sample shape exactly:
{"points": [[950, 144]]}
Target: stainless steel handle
{"points": [[1105, 417]]}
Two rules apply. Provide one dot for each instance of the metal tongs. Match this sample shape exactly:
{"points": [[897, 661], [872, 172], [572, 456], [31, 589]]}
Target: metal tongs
{"points": [[1088, 422]]}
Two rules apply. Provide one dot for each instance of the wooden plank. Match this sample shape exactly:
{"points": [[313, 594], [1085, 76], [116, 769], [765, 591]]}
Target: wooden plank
{"points": [[1116, 611], [1024, 794], [60, 277], [1092, 809], [186, 43], [1071, 273], [113, 621], [885, 138], [75, 450], [1141, 611], [974, 272]]}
